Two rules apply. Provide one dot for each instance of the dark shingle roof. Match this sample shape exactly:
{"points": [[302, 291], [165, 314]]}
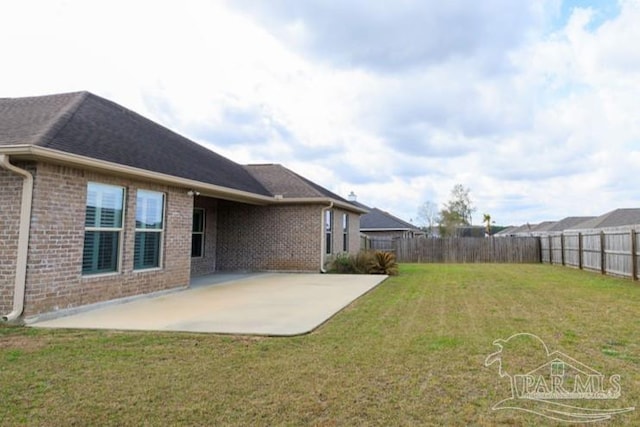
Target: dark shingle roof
{"points": [[569, 222], [377, 219], [615, 218], [507, 231], [360, 205], [84, 124], [282, 181], [543, 226], [524, 229]]}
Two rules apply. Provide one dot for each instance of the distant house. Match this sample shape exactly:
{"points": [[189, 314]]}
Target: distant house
{"points": [[98, 202], [568, 223], [544, 228], [381, 225], [506, 232], [525, 230], [615, 218]]}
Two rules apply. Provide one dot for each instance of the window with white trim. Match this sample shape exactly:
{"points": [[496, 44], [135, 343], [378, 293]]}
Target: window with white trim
{"points": [[345, 232], [102, 229], [197, 233], [147, 252], [328, 230]]}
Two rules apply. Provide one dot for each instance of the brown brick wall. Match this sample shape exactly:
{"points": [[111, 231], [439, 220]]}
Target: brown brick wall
{"points": [[353, 239], [356, 242], [207, 263], [354, 233], [268, 237], [338, 235], [10, 200], [238, 237], [54, 279]]}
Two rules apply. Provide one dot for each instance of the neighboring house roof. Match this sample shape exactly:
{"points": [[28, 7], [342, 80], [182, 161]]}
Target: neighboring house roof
{"points": [[528, 229], [524, 229], [507, 231], [87, 125], [615, 218], [568, 222], [281, 181], [543, 226], [377, 219]]}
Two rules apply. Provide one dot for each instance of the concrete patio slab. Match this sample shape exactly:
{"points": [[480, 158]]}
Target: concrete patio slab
{"points": [[265, 304]]}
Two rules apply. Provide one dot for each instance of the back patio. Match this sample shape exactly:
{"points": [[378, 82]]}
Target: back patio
{"points": [[256, 304]]}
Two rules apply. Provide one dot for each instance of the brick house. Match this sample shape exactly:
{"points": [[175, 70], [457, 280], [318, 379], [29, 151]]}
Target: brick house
{"points": [[98, 203]]}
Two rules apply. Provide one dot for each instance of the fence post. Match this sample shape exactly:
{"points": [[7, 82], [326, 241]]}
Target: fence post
{"points": [[580, 251], [550, 249], [603, 254], [634, 260], [562, 247], [539, 242]]}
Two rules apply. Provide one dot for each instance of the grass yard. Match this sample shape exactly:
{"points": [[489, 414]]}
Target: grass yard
{"points": [[411, 352]]}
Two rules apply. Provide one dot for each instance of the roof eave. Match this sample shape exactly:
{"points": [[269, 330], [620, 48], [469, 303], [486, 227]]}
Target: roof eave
{"points": [[32, 152], [392, 229], [319, 200]]}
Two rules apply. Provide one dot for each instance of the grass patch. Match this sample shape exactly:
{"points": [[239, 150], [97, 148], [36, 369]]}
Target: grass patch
{"points": [[411, 352]]}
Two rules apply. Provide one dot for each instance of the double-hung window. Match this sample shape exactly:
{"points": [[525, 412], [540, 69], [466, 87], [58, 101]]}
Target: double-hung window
{"points": [[328, 231], [197, 233], [147, 252], [345, 232], [103, 229]]}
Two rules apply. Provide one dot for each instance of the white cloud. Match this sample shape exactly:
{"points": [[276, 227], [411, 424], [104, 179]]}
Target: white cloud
{"points": [[392, 38], [395, 101]]}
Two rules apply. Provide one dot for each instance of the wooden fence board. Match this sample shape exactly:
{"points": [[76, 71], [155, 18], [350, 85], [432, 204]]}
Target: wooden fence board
{"points": [[610, 251], [572, 250], [468, 250]]}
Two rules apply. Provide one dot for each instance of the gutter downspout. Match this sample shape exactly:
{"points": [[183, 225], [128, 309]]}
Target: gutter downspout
{"points": [[323, 250], [23, 237]]}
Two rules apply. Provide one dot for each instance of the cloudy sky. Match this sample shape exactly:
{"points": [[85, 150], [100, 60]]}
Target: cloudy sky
{"points": [[532, 104]]}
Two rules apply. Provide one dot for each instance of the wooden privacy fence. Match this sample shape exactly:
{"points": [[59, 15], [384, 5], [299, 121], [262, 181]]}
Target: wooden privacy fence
{"points": [[468, 250], [612, 251], [377, 244]]}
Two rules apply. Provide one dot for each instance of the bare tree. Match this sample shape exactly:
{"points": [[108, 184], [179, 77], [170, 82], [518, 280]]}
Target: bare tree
{"points": [[429, 217]]}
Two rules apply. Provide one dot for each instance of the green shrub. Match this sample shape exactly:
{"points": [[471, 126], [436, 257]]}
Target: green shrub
{"points": [[342, 264]]}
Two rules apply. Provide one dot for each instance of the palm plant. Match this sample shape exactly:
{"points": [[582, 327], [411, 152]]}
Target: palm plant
{"points": [[383, 263], [486, 218]]}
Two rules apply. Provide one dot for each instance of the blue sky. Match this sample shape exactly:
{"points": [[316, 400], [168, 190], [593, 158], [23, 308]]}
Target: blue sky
{"points": [[604, 10], [532, 104]]}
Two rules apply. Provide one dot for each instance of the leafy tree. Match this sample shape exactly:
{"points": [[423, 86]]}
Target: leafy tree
{"points": [[457, 211], [429, 217]]}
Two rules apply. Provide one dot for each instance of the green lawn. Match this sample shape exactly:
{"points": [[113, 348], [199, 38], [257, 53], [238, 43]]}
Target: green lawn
{"points": [[411, 352]]}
